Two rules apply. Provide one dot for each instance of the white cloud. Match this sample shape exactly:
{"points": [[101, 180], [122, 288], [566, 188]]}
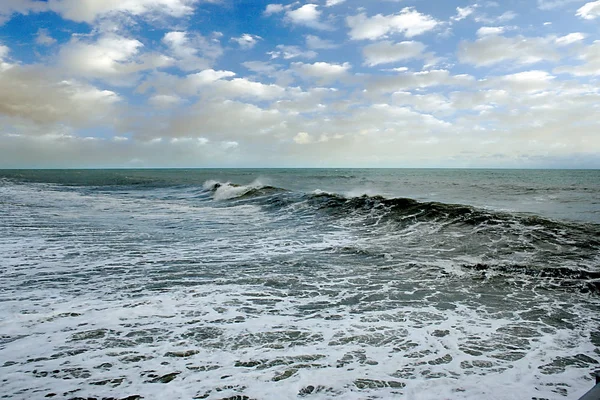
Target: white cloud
{"points": [[273, 9], [43, 38], [110, 57], [260, 114], [321, 71], [589, 10], [490, 30], [527, 81], [164, 100], [409, 22], [244, 88], [570, 38], [211, 85], [422, 79], [192, 51], [316, 43], [590, 56], [218, 120], [247, 41], [387, 52], [493, 49], [90, 10], [38, 98], [229, 144], [430, 103], [208, 76], [464, 12], [10, 7], [4, 50], [307, 15], [303, 138], [289, 52], [314, 100]]}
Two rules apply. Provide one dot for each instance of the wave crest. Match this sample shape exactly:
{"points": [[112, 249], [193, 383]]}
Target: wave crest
{"points": [[228, 190]]}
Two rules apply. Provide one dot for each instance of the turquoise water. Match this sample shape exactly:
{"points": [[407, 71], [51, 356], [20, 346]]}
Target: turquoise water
{"points": [[269, 284]]}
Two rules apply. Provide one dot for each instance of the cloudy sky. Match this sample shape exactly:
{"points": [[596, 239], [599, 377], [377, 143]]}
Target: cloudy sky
{"points": [[323, 83]]}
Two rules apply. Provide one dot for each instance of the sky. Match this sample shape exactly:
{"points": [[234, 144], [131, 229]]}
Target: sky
{"points": [[323, 83]]}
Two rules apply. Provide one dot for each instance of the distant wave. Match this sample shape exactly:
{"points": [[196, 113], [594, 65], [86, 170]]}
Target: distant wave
{"points": [[228, 190]]}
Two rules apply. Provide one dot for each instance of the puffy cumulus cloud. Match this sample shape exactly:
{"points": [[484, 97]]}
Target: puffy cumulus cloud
{"points": [[35, 98], [493, 49], [590, 57], [307, 15], [589, 10], [409, 22], [303, 138], [109, 57], [90, 10], [322, 72], [211, 85], [388, 52], [247, 41], [208, 76], [331, 3], [490, 30], [192, 51]]}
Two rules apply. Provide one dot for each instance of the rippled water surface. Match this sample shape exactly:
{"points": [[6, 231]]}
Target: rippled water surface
{"points": [[285, 284]]}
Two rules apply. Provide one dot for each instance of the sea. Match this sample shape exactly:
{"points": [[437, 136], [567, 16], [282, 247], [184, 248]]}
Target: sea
{"points": [[310, 284]]}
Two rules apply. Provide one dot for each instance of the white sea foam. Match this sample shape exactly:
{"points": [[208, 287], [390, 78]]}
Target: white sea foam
{"points": [[227, 339]]}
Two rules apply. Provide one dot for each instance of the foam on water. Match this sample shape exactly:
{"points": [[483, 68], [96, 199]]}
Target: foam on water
{"points": [[222, 340], [117, 293]]}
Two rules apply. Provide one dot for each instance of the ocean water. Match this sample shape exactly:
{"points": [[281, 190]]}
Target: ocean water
{"points": [[290, 284]]}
